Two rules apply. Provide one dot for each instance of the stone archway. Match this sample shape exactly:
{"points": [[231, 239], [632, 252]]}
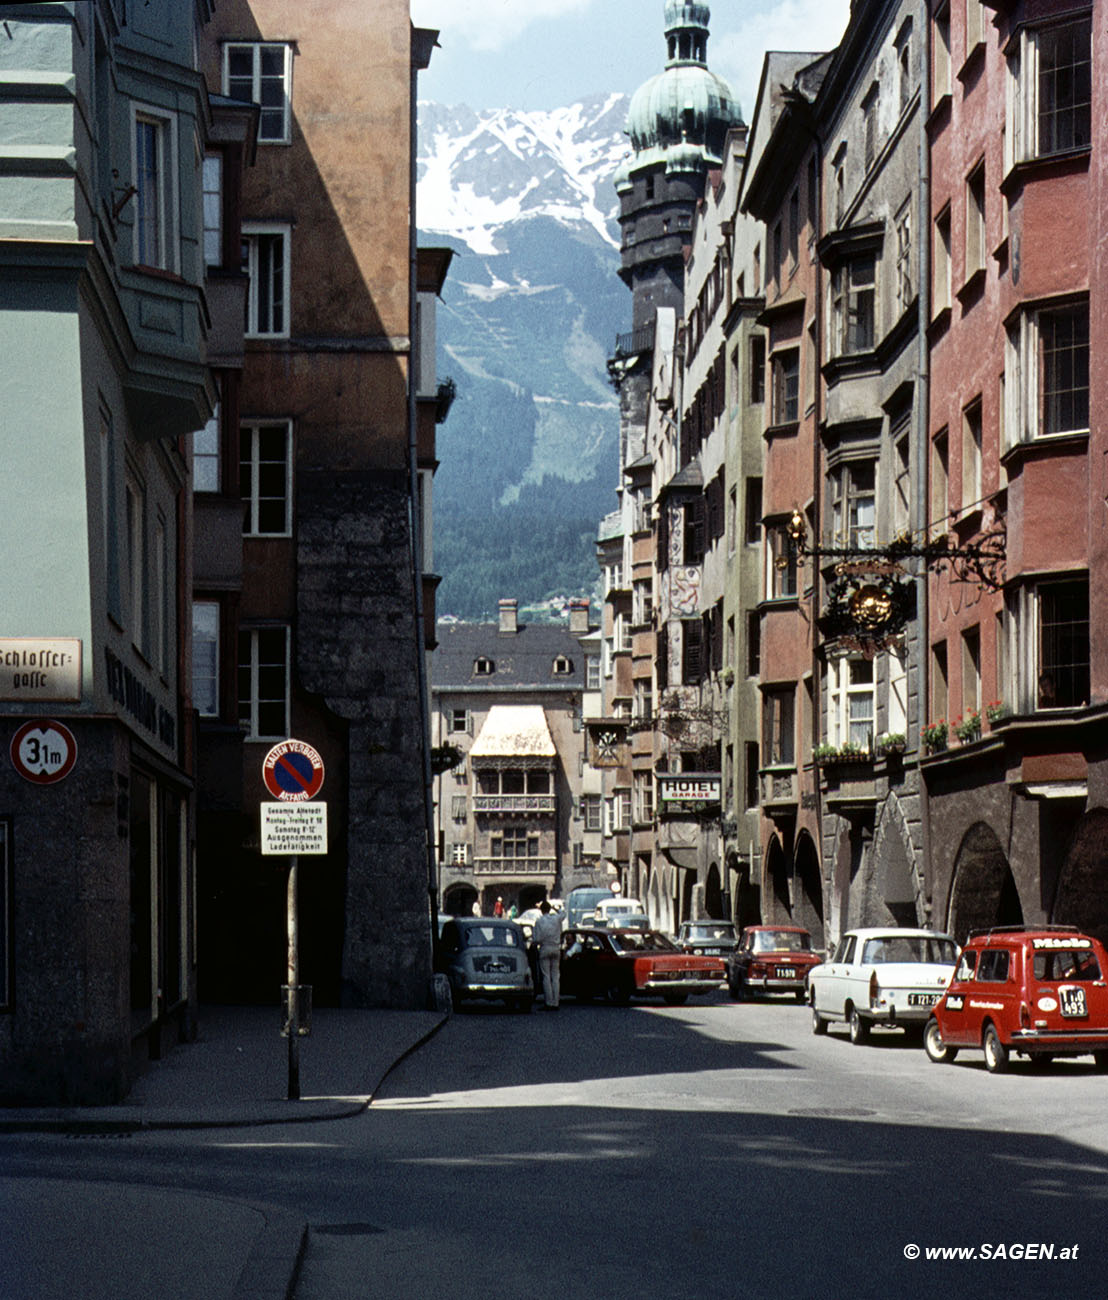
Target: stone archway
{"points": [[808, 901], [1082, 895], [983, 892], [458, 900], [530, 896], [777, 882], [713, 895], [688, 884], [746, 897]]}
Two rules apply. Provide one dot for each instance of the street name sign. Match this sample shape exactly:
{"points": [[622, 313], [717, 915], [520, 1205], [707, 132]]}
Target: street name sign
{"points": [[37, 668], [294, 829]]}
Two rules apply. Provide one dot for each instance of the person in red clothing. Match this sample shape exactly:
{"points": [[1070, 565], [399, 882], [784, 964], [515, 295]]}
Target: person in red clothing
{"points": [[498, 910]]}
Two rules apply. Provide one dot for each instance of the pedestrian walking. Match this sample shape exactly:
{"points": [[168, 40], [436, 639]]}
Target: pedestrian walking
{"points": [[548, 935], [498, 909]]}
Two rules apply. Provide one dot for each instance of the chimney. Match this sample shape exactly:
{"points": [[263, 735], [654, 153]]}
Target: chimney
{"points": [[509, 622], [579, 617]]}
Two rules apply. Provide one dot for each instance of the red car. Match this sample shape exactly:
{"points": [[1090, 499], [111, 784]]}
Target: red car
{"points": [[621, 964], [771, 959], [1041, 992]]}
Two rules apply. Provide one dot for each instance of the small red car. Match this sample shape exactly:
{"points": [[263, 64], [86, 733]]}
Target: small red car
{"points": [[621, 964], [771, 959], [1041, 992]]}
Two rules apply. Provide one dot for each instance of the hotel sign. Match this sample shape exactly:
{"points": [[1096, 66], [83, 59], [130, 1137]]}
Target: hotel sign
{"points": [[37, 668], [689, 789]]}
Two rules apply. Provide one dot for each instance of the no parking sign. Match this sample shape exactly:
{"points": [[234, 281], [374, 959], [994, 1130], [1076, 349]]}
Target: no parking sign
{"points": [[293, 771]]}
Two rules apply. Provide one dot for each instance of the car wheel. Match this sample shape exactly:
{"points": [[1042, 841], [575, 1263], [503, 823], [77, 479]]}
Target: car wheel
{"points": [[934, 1046], [618, 994], [996, 1054], [1100, 1062], [819, 1025], [800, 996], [859, 1028], [675, 999]]}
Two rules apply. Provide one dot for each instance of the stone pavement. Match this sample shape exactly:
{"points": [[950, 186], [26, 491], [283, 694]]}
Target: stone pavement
{"points": [[104, 1241]]}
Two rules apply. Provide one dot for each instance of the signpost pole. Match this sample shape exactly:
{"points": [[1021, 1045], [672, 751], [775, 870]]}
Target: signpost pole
{"points": [[294, 986]]}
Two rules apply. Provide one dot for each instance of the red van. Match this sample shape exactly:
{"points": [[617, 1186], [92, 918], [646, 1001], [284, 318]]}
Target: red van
{"points": [[1041, 992]]}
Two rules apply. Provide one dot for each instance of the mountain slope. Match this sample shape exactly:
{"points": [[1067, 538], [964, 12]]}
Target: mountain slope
{"points": [[528, 456]]}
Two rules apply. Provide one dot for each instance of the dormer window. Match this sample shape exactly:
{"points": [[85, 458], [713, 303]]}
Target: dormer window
{"points": [[563, 666], [483, 667]]}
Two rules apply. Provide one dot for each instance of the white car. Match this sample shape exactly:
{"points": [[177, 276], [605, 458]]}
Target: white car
{"points": [[885, 976]]}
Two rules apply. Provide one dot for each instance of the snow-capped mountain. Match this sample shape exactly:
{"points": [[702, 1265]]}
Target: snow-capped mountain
{"points": [[531, 308]]}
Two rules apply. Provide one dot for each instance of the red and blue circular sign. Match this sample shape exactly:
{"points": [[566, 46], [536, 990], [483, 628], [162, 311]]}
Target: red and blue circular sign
{"points": [[293, 771]]}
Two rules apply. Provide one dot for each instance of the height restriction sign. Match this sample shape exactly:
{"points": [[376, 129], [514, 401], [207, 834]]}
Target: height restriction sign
{"points": [[293, 771]]}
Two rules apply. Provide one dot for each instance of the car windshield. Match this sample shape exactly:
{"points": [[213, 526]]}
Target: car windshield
{"points": [[491, 936], [781, 941], [1066, 964], [718, 931], [646, 941], [908, 947]]}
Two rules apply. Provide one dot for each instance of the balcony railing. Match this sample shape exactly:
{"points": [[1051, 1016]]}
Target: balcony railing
{"points": [[640, 340], [507, 867], [515, 803]]}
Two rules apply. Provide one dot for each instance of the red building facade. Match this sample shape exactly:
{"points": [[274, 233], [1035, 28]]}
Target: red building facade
{"points": [[1016, 682]]}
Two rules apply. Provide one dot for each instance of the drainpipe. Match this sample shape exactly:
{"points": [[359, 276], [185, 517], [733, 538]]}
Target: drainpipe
{"points": [[423, 42], [920, 495]]}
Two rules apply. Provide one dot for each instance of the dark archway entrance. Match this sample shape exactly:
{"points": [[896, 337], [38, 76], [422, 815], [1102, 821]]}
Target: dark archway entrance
{"points": [[713, 895], [458, 900], [983, 892], [1082, 895], [808, 910], [778, 881], [688, 884]]}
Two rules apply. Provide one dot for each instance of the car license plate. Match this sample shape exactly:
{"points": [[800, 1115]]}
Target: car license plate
{"points": [[786, 972], [922, 999], [1073, 1002]]}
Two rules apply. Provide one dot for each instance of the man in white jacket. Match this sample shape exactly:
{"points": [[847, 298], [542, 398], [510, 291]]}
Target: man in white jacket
{"points": [[548, 935]]}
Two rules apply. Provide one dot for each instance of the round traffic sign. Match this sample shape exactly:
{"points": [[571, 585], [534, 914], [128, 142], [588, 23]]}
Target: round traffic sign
{"points": [[293, 771], [43, 751]]}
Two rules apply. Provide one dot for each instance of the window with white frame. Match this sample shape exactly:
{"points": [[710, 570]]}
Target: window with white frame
{"points": [[644, 797], [1062, 642], [642, 603], [975, 221], [853, 303], [205, 657], [1048, 353], [206, 461], [898, 693], [1050, 91], [940, 53], [851, 702], [591, 811], [902, 477], [592, 672], [212, 187], [971, 454], [785, 369], [971, 668], [854, 503], [642, 708], [154, 201], [779, 726], [904, 288], [265, 478], [458, 804], [941, 264], [260, 72], [263, 672], [266, 255], [780, 563], [975, 25]]}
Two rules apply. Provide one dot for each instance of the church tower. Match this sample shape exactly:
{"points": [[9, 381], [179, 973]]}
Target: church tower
{"points": [[678, 122]]}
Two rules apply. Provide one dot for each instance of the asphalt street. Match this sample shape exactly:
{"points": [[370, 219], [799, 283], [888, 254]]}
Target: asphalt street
{"points": [[714, 1150]]}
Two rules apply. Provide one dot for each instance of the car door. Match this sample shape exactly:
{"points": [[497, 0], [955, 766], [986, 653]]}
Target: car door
{"points": [[830, 981], [959, 1022], [993, 994]]}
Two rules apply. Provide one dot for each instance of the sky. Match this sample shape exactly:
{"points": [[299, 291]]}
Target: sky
{"points": [[544, 54]]}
